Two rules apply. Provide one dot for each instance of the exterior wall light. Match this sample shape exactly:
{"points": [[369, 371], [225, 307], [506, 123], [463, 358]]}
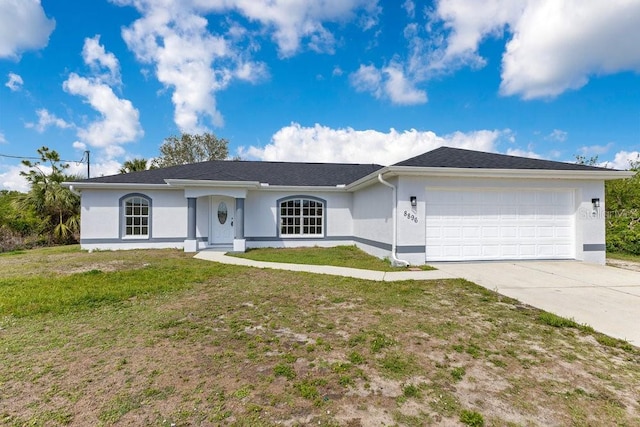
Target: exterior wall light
{"points": [[414, 201], [596, 203]]}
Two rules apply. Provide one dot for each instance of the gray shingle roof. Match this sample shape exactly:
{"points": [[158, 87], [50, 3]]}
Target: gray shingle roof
{"points": [[273, 173], [446, 157], [330, 174]]}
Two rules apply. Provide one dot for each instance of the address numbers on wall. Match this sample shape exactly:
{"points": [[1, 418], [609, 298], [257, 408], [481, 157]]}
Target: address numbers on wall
{"points": [[411, 217]]}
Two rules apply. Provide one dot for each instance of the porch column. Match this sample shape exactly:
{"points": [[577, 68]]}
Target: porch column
{"points": [[191, 244], [239, 242]]}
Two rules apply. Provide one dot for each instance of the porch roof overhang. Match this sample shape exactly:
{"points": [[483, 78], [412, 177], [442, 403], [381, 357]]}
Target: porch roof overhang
{"points": [[198, 188]]}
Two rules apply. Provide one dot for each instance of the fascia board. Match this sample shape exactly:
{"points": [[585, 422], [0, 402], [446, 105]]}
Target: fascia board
{"points": [[182, 183], [489, 173], [303, 188], [114, 186], [510, 173]]}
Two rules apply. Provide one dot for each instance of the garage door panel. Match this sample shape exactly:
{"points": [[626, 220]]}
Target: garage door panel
{"points": [[471, 250], [508, 232], [527, 251], [471, 232], [543, 231], [564, 232], [565, 251], [509, 251], [490, 251], [451, 232], [490, 232], [502, 224]]}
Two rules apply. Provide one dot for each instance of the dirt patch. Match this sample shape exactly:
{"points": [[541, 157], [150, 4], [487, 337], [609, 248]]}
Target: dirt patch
{"points": [[627, 265], [105, 267]]}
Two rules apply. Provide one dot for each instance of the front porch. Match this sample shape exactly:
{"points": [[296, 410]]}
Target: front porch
{"points": [[215, 220]]}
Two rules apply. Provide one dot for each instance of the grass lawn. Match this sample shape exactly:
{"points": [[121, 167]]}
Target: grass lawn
{"points": [[623, 256], [159, 338], [339, 256]]}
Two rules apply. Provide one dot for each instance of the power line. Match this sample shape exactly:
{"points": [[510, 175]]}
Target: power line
{"points": [[85, 155], [40, 158]]}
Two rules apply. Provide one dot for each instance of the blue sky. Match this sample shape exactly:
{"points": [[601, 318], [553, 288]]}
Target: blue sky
{"points": [[331, 80]]}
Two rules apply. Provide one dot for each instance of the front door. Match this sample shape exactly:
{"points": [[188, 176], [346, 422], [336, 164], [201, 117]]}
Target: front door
{"points": [[222, 210]]}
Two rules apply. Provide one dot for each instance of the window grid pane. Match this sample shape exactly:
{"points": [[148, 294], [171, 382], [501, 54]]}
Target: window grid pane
{"points": [[301, 217], [136, 217]]}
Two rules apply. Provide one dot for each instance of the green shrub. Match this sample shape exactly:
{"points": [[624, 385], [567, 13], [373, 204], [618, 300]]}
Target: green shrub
{"points": [[557, 321], [282, 370], [471, 418]]}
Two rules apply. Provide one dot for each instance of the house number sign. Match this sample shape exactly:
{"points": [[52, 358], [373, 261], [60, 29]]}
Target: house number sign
{"points": [[411, 217]]}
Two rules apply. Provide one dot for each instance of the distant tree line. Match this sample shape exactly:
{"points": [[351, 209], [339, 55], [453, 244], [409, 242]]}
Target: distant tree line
{"points": [[182, 150]]}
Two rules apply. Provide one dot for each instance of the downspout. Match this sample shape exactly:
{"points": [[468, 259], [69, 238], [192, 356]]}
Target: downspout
{"points": [[395, 260], [74, 191]]}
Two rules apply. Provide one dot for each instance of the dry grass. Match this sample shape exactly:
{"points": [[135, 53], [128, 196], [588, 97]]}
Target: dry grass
{"points": [[249, 347]]}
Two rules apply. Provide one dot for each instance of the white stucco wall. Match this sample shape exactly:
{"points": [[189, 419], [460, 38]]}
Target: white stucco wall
{"points": [[589, 225], [372, 219], [363, 217], [261, 213], [203, 207], [101, 216]]}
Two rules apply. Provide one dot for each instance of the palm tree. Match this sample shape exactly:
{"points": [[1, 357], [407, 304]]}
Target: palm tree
{"points": [[134, 165], [58, 207]]}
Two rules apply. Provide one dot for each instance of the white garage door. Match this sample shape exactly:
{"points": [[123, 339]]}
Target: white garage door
{"points": [[499, 224]]}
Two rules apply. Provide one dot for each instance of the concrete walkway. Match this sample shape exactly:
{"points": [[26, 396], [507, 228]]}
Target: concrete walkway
{"points": [[605, 298], [380, 276]]}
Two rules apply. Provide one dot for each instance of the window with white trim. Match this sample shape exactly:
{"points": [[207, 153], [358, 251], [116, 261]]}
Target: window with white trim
{"points": [[301, 217], [136, 217]]}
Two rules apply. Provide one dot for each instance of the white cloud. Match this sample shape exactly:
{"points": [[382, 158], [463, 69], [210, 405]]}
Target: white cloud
{"points": [[119, 119], [173, 35], [409, 7], [15, 82], [101, 168], [337, 71], [10, 179], [97, 58], [367, 79], [400, 88], [23, 26], [523, 153], [467, 23], [622, 160], [554, 46], [323, 144], [176, 39], [557, 46], [3, 140], [295, 21], [46, 119], [596, 150], [557, 135], [81, 146], [390, 82]]}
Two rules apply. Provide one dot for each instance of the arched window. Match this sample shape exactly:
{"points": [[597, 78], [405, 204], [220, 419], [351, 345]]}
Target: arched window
{"points": [[301, 216], [136, 216]]}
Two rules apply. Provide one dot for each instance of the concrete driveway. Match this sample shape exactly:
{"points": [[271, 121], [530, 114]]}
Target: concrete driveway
{"points": [[605, 298]]}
